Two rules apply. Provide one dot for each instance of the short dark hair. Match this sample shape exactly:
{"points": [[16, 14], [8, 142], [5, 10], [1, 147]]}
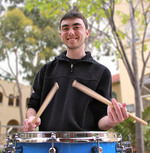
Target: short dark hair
{"points": [[74, 14]]}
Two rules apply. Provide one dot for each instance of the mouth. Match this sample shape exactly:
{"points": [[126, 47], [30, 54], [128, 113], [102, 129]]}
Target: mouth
{"points": [[72, 38]]}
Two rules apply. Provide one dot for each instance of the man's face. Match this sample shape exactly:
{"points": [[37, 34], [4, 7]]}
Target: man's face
{"points": [[73, 33]]}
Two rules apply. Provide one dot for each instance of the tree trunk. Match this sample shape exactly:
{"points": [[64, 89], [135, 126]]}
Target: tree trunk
{"points": [[139, 127], [20, 102]]}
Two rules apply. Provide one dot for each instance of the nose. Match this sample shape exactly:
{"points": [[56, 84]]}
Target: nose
{"points": [[71, 31]]}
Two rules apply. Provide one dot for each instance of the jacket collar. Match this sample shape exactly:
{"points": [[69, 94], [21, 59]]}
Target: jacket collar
{"points": [[87, 57]]}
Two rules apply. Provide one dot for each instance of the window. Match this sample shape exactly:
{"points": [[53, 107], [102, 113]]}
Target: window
{"points": [[14, 128], [114, 95], [1, 97], [146, 91], [130, 108], [11, 100], [17, 101], [27, 100]]}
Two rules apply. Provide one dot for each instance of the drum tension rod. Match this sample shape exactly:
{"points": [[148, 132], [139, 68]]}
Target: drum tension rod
{"points": [[52, 149], [97, 149], [100, 149]]}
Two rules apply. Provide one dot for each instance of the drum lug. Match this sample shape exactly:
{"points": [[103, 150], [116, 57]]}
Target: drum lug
{"points": [[52, 149], [100, 149], [97, 149]]}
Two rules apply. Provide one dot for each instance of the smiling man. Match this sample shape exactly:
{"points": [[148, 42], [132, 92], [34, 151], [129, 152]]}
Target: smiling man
{"points": [[70, 109], [73, 34]]}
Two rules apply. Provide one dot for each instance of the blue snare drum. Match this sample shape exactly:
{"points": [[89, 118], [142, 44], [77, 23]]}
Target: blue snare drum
{"points": [[63, 142]]}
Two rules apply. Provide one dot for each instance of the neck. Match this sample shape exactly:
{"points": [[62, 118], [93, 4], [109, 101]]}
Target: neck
{"points": [[75, 53]]}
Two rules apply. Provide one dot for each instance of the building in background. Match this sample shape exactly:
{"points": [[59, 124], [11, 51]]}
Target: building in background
{"points": [[126, 88], [9, 107]]}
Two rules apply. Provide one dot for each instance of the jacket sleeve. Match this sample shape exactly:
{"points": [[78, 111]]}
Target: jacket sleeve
{"points": [[104, 88], [34, 101]]}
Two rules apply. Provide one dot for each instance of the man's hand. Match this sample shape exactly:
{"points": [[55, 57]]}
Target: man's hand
{"points": [[28, 124], [116, 114]]}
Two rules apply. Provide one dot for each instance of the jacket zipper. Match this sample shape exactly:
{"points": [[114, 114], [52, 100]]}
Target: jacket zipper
{"points": [[71, 70]]}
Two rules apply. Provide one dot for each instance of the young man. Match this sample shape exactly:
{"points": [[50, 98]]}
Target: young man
{"points": [[70, 109]]}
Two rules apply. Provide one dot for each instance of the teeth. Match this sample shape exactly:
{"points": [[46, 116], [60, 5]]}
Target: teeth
{"points": [[71, 38]]}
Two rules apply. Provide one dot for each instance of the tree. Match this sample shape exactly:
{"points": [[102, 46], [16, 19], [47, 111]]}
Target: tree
{"points": [[31, 44], [40, 43], [13, 25], [132, 67]]}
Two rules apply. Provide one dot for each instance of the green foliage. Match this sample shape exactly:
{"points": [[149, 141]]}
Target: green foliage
{"points": [[121, 34], [12, 29], [51, 9], [13, 25], [39, 44], [31, 37], [145, 48], [146, 114], [146, 131], [15, 21], [125, 18]]}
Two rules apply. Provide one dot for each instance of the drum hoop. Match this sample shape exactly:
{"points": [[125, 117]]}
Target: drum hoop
{"points": [[66, 136]]}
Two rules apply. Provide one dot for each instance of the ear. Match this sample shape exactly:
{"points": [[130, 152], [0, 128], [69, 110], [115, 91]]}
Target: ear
{"points": [[87, 33], [60, 35]]}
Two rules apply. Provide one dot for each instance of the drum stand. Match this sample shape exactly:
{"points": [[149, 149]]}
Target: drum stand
{"points": [[124, 147], [9, 146]]}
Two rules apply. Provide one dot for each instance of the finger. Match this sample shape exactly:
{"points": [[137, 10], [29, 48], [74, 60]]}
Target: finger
{"points": [[112, 115], [124, 112], [124, 104], [25, 126], [28, 125], [118, 110], [38, 122]]}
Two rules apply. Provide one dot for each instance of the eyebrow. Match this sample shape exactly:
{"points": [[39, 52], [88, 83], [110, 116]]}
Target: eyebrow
{"points": [[65, 25]]}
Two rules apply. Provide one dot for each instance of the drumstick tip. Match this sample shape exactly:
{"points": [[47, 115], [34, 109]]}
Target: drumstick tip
{"points": [[74, 83], [56, 84]]}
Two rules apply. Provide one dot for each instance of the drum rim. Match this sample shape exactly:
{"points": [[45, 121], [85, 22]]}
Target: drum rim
{"points": [[66, 136]]}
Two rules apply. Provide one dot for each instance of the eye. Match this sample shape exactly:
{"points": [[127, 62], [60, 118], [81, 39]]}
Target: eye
{"points": [[77, 27], [65, 29]]}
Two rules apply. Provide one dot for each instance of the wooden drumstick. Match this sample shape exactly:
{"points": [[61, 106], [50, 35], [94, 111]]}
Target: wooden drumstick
{"points": [[97, 96], [46, 101]]}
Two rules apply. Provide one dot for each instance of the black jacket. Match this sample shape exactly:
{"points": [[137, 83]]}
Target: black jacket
{"points": [[70, 109]]}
